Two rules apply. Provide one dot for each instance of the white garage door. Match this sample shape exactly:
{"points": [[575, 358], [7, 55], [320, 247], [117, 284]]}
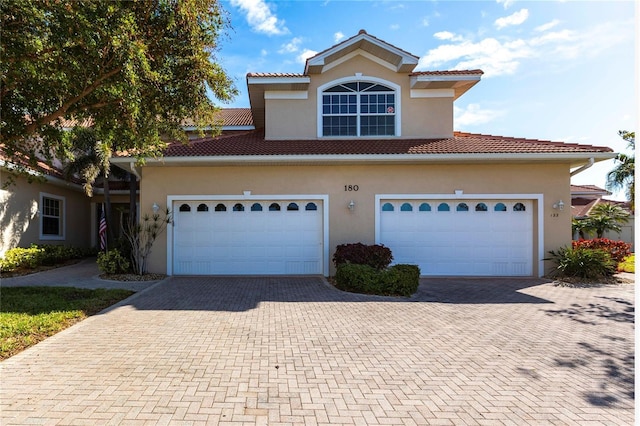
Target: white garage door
{"points": [[247, 237], [461, 237]]}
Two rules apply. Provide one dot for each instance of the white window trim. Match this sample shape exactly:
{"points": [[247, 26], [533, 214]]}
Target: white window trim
{"points": [[459, 195], [360, 78], [63, 217], [248, 197]]}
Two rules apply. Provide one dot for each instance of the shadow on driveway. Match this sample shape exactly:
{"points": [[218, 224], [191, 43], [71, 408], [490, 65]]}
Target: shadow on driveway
{"points": [[237, 294]]}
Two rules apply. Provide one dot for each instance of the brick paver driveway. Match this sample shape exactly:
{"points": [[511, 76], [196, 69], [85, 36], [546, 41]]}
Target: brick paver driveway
{"points": [[295, 351]]}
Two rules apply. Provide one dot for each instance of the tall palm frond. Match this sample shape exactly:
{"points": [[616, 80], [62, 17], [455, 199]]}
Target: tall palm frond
{"points": [[623, 174]]}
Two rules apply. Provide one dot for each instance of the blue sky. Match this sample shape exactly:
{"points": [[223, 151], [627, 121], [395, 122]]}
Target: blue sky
{"points": [[554, 70]]}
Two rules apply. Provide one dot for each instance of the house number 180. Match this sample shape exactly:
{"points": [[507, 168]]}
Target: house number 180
{"points": [[351, 188]]}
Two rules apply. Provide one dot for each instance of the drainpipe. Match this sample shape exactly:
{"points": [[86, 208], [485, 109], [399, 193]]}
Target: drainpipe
{"points": [[583, 168]]}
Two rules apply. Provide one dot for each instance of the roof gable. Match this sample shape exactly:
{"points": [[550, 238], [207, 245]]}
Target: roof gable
{"points": [[372, 47]]}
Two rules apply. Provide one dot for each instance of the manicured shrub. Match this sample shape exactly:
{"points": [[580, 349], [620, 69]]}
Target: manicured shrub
{"points": [[46, 254], [583, 263], [20, 257], [398, 280], [54, 254], [112, 262], [618, 250], [403, 280], [377, 256], [357, 278], [628, 264]]}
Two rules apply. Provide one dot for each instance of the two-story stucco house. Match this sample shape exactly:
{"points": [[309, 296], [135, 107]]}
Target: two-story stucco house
{"points": [[360, 148]]}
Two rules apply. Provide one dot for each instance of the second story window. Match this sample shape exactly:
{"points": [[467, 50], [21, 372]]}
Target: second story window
{"points": [[359, 109]]}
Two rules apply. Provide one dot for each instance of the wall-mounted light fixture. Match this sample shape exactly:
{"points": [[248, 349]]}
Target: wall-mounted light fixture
{"points": [[559, 205], [156, 208], [351, 205]]}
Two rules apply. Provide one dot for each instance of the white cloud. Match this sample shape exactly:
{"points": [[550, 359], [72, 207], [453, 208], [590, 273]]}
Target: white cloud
{"points": [[260, 17], [547, 26], [338, 36], [490, 55], [516, 18], [505, 55], [425, 22], [505, 3], [446, 35], [394, 27], [472, 115], [306, 54], [292, 46]]}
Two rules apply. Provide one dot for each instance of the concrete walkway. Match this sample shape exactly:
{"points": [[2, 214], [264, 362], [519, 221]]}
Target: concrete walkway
{"points": [[84, 274], [291, 351]]}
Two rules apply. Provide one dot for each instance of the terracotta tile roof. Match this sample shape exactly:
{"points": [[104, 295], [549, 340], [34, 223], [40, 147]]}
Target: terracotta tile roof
{"points": [[39, 166], [229, 117], [253, 143], [580, 206], [583, 189], [450, 72], [236, 117]]}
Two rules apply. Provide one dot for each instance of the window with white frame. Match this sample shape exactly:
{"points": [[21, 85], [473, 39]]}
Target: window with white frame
{"points": [[359, 108], [52, 209]]}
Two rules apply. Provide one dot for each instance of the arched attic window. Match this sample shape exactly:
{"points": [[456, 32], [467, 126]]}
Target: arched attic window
{"points": [[359, 108]]}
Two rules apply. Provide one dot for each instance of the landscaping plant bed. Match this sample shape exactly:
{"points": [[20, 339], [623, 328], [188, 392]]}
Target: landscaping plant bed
{"points": [[20, 272], [133, 277]]}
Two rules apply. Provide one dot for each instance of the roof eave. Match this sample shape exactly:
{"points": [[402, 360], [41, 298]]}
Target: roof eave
{"points": [[574, 159]]}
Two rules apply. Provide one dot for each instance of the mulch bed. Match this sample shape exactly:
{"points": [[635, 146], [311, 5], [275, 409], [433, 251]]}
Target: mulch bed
{"points": [[586, 282], [132, 277], [20, 272]]}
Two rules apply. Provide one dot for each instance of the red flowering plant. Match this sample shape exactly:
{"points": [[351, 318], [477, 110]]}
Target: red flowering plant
{"points": [[618, 250]]}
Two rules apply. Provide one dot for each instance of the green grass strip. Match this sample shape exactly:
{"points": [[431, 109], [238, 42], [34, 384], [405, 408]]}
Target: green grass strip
{"points": [[29, 315]]}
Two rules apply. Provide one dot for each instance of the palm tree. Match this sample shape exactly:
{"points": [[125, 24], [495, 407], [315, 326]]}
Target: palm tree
{"points": [[90, 161], [623, 175], [606, 217]]}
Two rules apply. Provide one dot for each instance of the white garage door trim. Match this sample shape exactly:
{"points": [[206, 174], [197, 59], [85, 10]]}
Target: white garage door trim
{"points": [[247, 196], [460, 195]]}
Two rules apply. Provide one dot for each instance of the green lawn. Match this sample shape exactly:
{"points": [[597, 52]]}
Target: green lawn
{"points": [[29, 315]]}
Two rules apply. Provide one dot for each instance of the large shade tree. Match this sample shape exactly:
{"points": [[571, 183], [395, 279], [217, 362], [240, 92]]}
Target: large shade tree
{"points": [[134, 71], [623, 174]]}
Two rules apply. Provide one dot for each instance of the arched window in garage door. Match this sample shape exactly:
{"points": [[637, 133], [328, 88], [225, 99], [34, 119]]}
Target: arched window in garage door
{"points": [[500, 207]]}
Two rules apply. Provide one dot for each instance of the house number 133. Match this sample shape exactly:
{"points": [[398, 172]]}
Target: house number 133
{"points": [[350, 188]]}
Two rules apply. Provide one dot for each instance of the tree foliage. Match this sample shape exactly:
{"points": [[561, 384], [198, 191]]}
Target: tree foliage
{"points": [[602, 217], [623, 174], [133, 70]]}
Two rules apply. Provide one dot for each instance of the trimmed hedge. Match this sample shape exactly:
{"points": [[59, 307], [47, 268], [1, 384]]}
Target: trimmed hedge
{"points": [[377, 255], [34, 256], [398, 280], [112, 262]]}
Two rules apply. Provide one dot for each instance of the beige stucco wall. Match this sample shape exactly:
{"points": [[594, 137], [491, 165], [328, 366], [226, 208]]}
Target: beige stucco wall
{"points": [[551, 180], [20, 221], [420, 117]]}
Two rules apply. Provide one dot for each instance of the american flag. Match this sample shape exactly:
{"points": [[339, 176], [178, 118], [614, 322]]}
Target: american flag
{"points": [[102, 231]]}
